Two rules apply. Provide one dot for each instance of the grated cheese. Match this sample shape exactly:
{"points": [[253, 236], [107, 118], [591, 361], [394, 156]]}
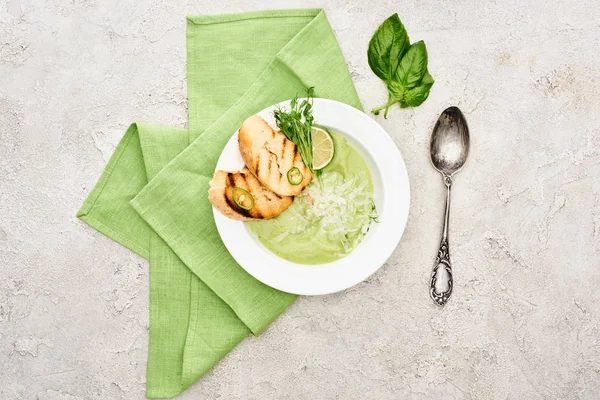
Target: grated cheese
{"points": [[341, 209]]}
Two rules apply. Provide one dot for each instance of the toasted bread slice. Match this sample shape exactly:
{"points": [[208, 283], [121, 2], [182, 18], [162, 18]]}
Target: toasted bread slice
{"points": [[266, 203], [269, 155]]}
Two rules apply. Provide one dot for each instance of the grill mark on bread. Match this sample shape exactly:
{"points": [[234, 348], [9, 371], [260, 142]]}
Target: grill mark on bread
{"points": [[245, 182], [279, 171], [271, 161], [295, 152], [231, 179], [257, 169], [269, 166], [283, 146], [272, 152]]}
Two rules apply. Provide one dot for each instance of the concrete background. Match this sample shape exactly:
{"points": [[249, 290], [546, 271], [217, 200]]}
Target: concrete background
{"points": [[525, 228]]}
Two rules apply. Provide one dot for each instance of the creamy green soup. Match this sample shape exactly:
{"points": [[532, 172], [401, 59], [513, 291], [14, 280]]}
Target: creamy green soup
{"points": [[329, 218]]}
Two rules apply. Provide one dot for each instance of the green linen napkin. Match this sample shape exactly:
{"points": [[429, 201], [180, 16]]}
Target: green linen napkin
{"points": [[152, 195]]}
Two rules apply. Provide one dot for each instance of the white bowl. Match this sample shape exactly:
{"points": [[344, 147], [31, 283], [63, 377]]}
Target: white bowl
{"points": [[392, 198]]}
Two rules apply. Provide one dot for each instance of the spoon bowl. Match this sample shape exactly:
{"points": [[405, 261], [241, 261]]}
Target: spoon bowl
{"points": [[449, 142]]}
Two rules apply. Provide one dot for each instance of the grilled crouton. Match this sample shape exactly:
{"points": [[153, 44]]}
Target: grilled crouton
{"points": [[263, 203], [269, 155]]}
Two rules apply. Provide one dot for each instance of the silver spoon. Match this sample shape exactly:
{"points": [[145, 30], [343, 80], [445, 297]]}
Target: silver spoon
{"points": [[448, 150]]}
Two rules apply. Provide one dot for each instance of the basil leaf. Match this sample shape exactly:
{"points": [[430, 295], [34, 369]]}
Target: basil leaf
{"points": [[387, 46], [413, 66], [416, 96], [402, 94], [427, 79], [397, 90]]}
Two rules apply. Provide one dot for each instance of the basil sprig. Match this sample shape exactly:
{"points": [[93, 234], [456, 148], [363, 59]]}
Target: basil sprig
{"points": [[402, 66]]}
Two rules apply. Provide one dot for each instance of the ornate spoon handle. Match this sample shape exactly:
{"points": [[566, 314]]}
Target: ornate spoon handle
{"points": [[440, 286]]}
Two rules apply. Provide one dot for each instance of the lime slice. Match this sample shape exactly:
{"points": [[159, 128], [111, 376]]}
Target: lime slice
{"points": [[323, 148]]}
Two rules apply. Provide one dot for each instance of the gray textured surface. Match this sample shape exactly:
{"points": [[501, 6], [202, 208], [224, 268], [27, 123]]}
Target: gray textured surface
{"points": [[525, 229]]}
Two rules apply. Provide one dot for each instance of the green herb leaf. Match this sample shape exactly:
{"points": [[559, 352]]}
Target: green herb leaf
{"points": [[374, 213], [413, 65], [416, 96], [386, 48], [296, 125], [397, 90]]}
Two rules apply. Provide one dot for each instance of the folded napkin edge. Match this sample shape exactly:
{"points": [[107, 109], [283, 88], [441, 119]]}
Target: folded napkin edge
{"points": [[85, 212], [115, 235], [232, 17], [96, 191]]}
